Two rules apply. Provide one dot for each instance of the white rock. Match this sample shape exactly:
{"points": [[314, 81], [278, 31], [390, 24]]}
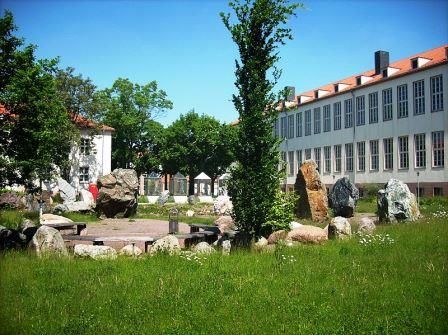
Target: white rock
{"points": [[226, 247], [294, 225], [203, 248], [130, 250], [67, 192], [87, 198], [339, 227], [78, 206], [47, 241], [53, 219], [168, 244], [261, 243], [396, 203], [189, 213], [222, 205], [366, 226], [95, 251]]}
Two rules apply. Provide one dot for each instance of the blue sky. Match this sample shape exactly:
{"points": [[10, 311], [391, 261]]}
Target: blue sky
{"points": [[184, 46]]}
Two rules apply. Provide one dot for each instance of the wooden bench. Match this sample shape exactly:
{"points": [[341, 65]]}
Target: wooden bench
{"points": [[148, 240], [70, 225]]}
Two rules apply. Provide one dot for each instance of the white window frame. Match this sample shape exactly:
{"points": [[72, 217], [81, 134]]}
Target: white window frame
{"points": [[419, 96], [291, 163], [327, 118], [361, 153], [337, 115], [374, 155], [438, 149], [299, 124], [349, 157], [388, 110], [402, 101], [420, 150], [327, 159], [317, 120], [337, 158], [84, 177], [284, 127], [317, 158], [437, 93], [291, 126], [307, 154], [403, 152], [348, 113], [299, 159], [308, 122], [373, 107], [388, 150], [85, 146], [360, 110]]}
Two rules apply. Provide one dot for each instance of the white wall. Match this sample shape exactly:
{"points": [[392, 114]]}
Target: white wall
{"points": [[411, 125]]}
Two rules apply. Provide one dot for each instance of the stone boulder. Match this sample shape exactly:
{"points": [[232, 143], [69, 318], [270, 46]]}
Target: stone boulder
{"points": [[193, 199], [163, 198], [226, 247], [225, 223], [46, 219], [222, 205], [308, 234], [294, 224], [130, 251], [339, 228], [87, 198], [261, 244], [343, 197], [11, 239], [117, 194], [312, 193], [95, 251], [10, 200], [276, 236], [167, 245], [67, 191], [47, 241], [366, 226], [203, 248], [396, 203]]}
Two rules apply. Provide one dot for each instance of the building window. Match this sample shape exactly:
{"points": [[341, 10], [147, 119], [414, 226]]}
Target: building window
{"points": [[317, 157], [438, 192], [307, 122], [436, 93], [373, 107], [438, 156], [284, 127], [337, 115], [327, 159], [316, 120], [337, 158], [291, 126], [361, 151], [299, 159], [276, 129], [388, 144], [419, 97], [360, 110], [348, 113], [374, 155], [291, 163], [307, 154], [402, 100], [387, 105], [403, 152], [299, 125], [84, 174], [327, 118], [84, 146], [349, 157], [420, 150]]}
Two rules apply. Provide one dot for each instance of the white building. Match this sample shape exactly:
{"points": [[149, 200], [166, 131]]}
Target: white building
{"points": [[92, 158], [390, 122]]}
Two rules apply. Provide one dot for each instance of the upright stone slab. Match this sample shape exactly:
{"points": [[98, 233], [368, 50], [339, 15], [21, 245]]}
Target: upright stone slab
{"points": [[343, 197], [397, 203], [313, 202], [67, 192]]}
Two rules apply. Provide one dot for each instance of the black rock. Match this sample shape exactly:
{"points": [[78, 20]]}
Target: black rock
{"points": [[343, 197], [11, 239]]}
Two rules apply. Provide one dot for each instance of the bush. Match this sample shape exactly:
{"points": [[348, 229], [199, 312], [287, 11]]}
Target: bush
{"points": [[142, 199], [281, 213], [371, 190]]}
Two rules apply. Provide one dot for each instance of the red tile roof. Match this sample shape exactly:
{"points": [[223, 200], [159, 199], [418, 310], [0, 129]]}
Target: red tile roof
{"points": [[80, 121], [437, 56]]}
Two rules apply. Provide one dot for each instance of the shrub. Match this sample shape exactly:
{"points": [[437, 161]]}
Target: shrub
{"points": [[281, 212], [371, 190]]}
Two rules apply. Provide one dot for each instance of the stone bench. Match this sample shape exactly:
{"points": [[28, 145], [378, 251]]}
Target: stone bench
{"points": [[72, 225]]}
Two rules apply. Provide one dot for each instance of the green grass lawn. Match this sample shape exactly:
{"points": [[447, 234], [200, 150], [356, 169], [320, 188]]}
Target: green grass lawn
{"points": [[341, 287]]}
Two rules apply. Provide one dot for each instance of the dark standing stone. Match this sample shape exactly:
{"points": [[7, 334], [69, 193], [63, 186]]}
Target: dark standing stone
{"points": [[343, 197]]}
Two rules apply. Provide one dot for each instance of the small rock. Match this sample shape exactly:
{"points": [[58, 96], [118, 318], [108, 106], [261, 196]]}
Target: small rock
{"points": [[48, 241], [168, 244], [226, 247], [163, 198], [277, 236], [130, 250], [339, 227], [294, 224], [53, 219], [308, 234], [203, 248], [193, 200], [189, 213], [95, 251], [222, 205], [366, 226], [225, 223], [261, 243]]}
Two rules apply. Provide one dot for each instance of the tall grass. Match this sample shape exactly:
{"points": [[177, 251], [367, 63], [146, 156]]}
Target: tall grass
{"points": [[341, 287]]}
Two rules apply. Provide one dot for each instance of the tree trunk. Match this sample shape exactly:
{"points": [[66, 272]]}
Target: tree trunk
{"points": [[212, 187], [166, 181], [191, 185]]}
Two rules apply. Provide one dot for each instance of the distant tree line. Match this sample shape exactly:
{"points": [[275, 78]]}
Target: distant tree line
{"points": [[41, 98]]}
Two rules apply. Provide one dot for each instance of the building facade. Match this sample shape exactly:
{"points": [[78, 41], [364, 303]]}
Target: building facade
{"points": [[390, 122]]}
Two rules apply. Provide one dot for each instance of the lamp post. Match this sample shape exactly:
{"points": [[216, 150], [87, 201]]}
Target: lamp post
{"points": [[173, 224], [418, 189]]}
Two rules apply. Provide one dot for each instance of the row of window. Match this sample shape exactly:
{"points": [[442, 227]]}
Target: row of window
{"points": [[292, 125], [438, 155]]}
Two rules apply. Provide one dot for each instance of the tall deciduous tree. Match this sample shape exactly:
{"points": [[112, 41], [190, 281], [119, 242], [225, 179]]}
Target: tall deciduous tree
{"points": [[39, 133], [198, 143], [130, 109], [258, 30]]}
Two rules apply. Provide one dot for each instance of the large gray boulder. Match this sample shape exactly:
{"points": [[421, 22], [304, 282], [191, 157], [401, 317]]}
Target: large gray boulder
{"points": [[339, 228], [117, 193], [203, 248], [343, 197], [67, 191], [166, 245], [95, 251], [396, 203], [48, 241]]}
